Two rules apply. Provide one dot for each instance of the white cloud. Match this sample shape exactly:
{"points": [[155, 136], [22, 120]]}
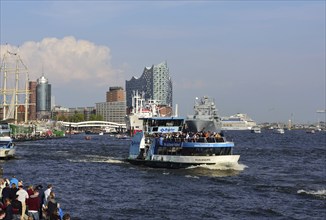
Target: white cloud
{"points": [[68, 60]]}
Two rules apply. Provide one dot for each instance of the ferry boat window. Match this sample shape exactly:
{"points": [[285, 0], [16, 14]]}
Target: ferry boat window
{"points": [[3, 143]]}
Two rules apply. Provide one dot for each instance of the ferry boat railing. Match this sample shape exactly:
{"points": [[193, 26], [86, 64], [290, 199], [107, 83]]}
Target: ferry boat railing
{"points": [[194, 139]]}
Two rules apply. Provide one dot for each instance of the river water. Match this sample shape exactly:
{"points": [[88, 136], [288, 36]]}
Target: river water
{"points": [[278, 177]]}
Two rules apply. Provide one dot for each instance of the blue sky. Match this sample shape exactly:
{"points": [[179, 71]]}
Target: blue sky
{"points": [[263, 58]]}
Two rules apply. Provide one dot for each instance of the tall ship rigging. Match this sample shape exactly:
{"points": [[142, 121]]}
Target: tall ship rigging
{"points": [[14, 92]]}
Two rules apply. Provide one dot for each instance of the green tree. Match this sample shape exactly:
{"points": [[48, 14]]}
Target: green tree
{"points": [[77, 117], [94, 117], [62, 118]]}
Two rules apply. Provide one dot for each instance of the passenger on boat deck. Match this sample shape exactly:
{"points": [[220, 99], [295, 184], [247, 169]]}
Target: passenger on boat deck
{"points": [[161, 140], [217, 136]]}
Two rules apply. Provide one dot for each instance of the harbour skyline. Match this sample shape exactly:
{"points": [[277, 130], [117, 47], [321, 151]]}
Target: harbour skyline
{"points": [[266, 59]]}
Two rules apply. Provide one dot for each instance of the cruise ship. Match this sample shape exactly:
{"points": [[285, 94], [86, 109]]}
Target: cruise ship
{"points": [[205, 117], [238, 121]]}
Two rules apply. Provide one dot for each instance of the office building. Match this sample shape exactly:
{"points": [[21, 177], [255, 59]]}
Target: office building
{"points": [[115, 94], [32, 100], [43, 98], [114, 109]]}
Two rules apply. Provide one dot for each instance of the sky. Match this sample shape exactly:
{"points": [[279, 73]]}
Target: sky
{"points": [[262, 58]]}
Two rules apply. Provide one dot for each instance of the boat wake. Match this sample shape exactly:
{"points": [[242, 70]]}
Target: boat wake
{"points": [[220, 170], [190, 176], [225, 166], [97, 159], [315, 193]]}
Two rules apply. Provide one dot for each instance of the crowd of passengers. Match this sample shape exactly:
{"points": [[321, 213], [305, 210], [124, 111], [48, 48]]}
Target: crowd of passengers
{"points": [[203, 136]]}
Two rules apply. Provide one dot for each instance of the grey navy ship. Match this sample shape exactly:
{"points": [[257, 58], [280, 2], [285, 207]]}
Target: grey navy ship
{"points": [[205, 117]]}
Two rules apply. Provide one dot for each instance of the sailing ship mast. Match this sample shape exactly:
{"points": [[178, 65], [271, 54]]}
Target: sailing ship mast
{"points": [[14, 92]]}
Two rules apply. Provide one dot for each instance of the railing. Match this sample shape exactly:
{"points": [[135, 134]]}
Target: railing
{"points": [[194, 139], [93, 124]]}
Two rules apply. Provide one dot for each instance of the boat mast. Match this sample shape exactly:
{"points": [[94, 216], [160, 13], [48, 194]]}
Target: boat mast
{"points": [[4, 88], [12, 67], [16, 91]]}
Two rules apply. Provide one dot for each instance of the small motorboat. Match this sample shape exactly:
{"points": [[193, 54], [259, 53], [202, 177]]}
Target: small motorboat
{"points": [[7, 148], [88, 138]]}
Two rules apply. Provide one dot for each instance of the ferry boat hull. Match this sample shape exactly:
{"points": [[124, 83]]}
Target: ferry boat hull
{"points": [[177, 162]]}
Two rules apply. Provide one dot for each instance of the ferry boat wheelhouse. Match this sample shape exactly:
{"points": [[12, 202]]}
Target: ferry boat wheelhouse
{"points": [[162, 143]]}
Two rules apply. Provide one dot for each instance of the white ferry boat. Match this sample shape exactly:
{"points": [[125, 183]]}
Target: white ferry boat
{"points": [[238, 121], [205, 117], [163, 144]]}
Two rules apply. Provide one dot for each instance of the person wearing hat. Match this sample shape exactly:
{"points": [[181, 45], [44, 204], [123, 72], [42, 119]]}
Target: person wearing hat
{"points": [[22, 196]]}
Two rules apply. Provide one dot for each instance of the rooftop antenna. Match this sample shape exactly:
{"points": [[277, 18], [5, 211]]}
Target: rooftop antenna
{"points": [[42, 69]]}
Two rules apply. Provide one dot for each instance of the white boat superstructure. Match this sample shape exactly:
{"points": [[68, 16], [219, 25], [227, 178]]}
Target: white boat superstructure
{"points": [[256, 130], [141, 108], [7, 148], [279, 131], [238, 121]]}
